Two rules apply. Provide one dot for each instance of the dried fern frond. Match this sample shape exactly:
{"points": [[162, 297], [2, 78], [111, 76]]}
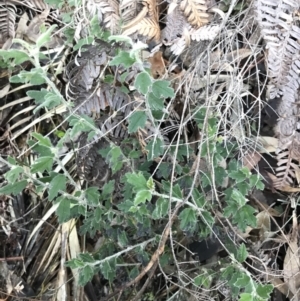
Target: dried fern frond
{"points": [[282, 35], [287, 171], [129, 9], [176, 23], [208, 32], [7, 22], [147, 27], [107, 12], [195, 11], [144, 21]]}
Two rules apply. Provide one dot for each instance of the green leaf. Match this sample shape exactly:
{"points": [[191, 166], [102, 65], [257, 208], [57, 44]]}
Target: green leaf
{"points": [[45, 37], [115, 158], [125, 206], [121, 38], [260, 185], [81, 124], [74, 263], [151, 184], [188, 219], [242, 281], [63, 210], [82, 42], [122, 239], [122, 58], [42, 150], [57, 183], [242, 253], [14, 188], [85, 275], [108, 269], [237, 175], [161, 208], [246, 297], [155, 103], [45, 141], [205, 279], [142, 196], [41, 164], [160, 88], [264, 291], [108, 188], [86, 257], [55, 3], [244, 217], [155, 148], [254, 180], [93, 196], [35, 77], [13, 175], [138, 181], [18, 56], [143, 82], [98, 214], [238, 197], [137, 120], [51, 100]]}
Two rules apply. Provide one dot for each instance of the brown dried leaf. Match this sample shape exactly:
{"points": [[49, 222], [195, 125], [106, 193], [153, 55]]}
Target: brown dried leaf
{"points": [[251, 160], [291, 265], [158, 65]]}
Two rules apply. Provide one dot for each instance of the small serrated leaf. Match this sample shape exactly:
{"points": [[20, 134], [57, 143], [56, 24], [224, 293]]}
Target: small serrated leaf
{"points": [[56, 184], [92, 195], [160, 88], [12, 175], [86, 257], [142, 196], [142, 82], [137, 120], [138, 181], [242, 281], [108, 269], [122, 58], [161, 208], [242, 253], [85, 275], [41, 164], [63, 210], [108, 188], [155, 148], [188, 219], [155, 103], [45, 37], [14, 188], [45, 141], [264, 291]]}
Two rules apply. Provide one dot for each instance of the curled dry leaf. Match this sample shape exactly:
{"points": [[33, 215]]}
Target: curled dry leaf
{"points": [[158, 64]]}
